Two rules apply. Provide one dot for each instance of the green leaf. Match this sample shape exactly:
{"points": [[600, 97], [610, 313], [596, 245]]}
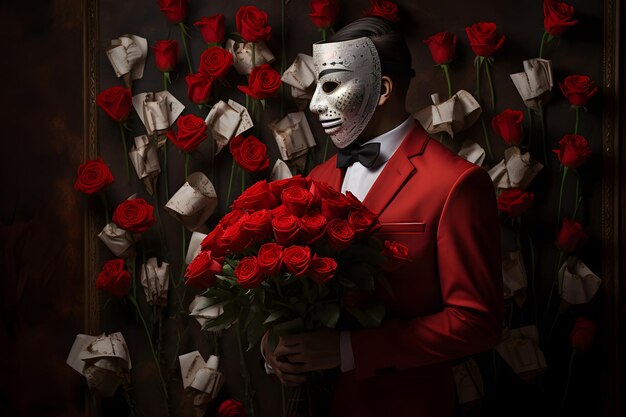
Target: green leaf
{"points": [[228, 317], [346, 282], [230, 280], [262, 104], [309, 290], [288, 327], [328, 314], [228, 270], [376, 311], [382, 280], [274, 316]]}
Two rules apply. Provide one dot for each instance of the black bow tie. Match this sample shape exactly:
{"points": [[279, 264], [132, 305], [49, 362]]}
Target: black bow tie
{"points": [[366, 155]]}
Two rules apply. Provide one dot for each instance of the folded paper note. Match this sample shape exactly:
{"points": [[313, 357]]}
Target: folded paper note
{"points": [[201, 379], [194, 246], [227, 120], [145, 159], [535, 83], [127, 55], [194, 202], [469, 381], [293, 136], [472, 152], [157, 111], [155, 281], [516, 170], [203, 309], [520, 349], [280, 171], [121, 242], [513, 273], [103, 360], [300, 75], [577, 283], [454, 115], [242, 55]]}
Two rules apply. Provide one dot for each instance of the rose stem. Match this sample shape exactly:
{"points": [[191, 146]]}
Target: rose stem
{"points": [[482, 121], [493, 95], [123, 136], [579, 197], [165, 81], [230, 183], [558, 213], [183, 34], [103, 199], [569, 375], [324, 34], [543, 135], [554, 282], [543, 42], [129, 402], [186, 165], [477, 64], [531, 246], [577, 108], [244, 369], [446, 73], [184, 253], [530, 126]]}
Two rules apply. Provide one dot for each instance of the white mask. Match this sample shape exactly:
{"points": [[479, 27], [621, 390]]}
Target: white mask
{"points": [[348, 78]]}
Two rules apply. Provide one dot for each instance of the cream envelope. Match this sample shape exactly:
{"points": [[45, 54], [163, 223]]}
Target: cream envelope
{"points": [[520, 349], [242, 55], [194, 202], [103, 360], [193, 249], [454, 115], [300, 74], [155, 282], [157, 111], [293, 136], [472, 152], [469, 381], [145, 159], [119, 241], [203, 309], [201, 379], [227, 120], [513, 273], [516, 170], [127, 55], [577, 283], [535, 83]]}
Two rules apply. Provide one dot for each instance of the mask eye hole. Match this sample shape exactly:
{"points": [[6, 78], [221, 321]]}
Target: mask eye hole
{"points": [[329, 86]]}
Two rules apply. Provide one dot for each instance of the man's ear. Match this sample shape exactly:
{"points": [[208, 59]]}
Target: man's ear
{"points": [[386, 87]]}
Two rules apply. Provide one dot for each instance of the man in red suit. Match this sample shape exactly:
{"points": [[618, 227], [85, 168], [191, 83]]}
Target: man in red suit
{"points": [[446, 302]]}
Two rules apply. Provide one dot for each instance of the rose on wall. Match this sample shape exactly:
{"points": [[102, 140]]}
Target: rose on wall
{"points": [[215, 62], [509, 126], [93, 176], [116, 103], [165, 55], [134, 215], [114, 278], [199, 87], [514, 201], [557, 18], [190, 134], [231, 408], [211, 28], [442, 47], [385, 9], [574, 151], [323, 14], [484, 39], [578, 89], [571, 236], [252, 24], [264, 82]]}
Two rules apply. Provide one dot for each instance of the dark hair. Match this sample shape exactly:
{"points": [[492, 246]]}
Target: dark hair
{"points": [[394, 54]]}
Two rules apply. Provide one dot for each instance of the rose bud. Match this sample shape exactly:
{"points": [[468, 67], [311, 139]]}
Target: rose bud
{"points": [[199, 88], [263, 82], [201, 272], [515, 202], [574, 151], [235, 238], [322, 269], [484, 39], [258, 225], [334, 207], [250, 153], [134, 215], [114, 278], [581, 336], [256, 197], [578, 89], [252, 24], [508, 125], [296, 200], [571, 236], [191, 133], [323, 13], [231, 408], [216, 62], [174, 10], [278, 186], [441, 46], [165, 55], [93, 176], [286, 229], [278, 211], [340, 234], [312, 226], [270, 258], [213, 241], [248, 273], [116, 103], [385, 9], [211, 28], [557, 17], [297, 259]]}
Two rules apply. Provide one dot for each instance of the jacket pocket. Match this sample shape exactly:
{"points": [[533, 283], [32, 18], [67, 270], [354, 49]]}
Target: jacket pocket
{"points": [[402, 227]]}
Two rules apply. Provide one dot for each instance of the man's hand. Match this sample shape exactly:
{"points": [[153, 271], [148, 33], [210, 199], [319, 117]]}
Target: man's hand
{"points": [[287, 379]]}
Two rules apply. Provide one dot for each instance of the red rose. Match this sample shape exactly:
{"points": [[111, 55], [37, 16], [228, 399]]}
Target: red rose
{"points": [[256, 197], [270, 258], [362, 221], [165, 55], [442, 47], [322, 269], [312, 226], [385, 9], [578, 89], [134, 215], [508, 125], [355, 297], [581, 336], [93, 176], [191, 133], [336, 206], [202, 270], [114, 278], [574, 151], [252, 24], [211, 28], [199, 87], [231, 408], [397, 255], [278, 186], [286, 229], [174, 10], [213, 242], [258, 225], [324, 13], [248, 273], [278, 211], [216, 62], [515, 202], [263, 82], [296, 200], [340, 233], [322, 190], [557, 17], [355, 203], [116, 103], [232, 217], [571, 236], [484, 39], [297, 259], [235, 238], [250, 153]]}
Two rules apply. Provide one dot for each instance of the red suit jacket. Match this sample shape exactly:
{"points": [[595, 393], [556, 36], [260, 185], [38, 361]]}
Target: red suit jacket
{"points": [[447, 302]]}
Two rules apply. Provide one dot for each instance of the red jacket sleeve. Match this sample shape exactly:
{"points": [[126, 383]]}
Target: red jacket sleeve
{"points": [[470, 274]]}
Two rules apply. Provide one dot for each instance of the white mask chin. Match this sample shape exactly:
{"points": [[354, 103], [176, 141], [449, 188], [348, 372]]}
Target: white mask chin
{"points": [[348, 77]]}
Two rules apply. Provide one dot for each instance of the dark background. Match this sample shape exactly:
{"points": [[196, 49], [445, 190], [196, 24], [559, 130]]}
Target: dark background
{"points": [[41, 216]]}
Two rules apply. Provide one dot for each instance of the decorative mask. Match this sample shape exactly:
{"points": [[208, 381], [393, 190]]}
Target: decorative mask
{"points": [[348, 78]]}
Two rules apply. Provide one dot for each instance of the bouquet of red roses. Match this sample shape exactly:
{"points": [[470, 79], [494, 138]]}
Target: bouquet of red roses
{"points": [[293, 255]]}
